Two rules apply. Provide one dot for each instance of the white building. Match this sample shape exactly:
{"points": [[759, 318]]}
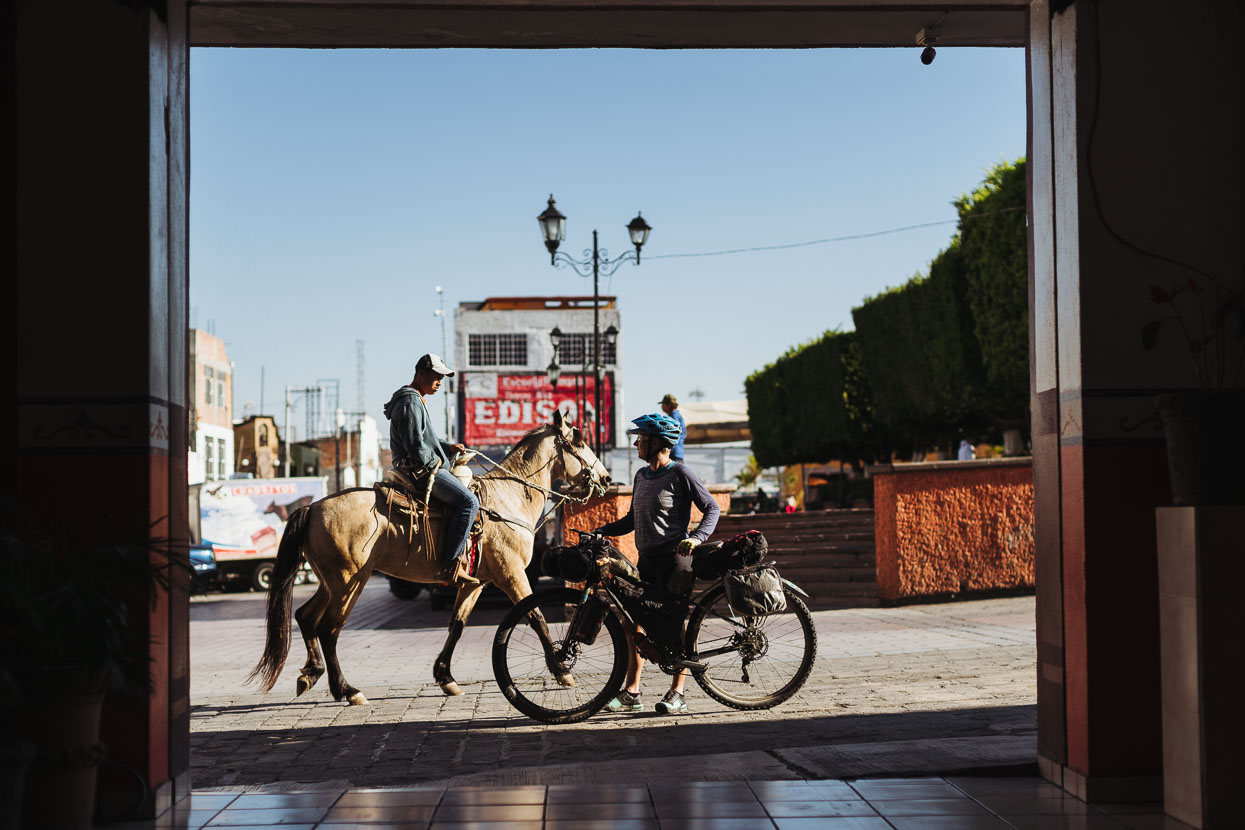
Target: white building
{"points": [[503, 352], [211, 455]]}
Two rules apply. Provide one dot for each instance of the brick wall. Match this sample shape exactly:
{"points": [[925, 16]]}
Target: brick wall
{"points": [[615, 504], [953, 527]]}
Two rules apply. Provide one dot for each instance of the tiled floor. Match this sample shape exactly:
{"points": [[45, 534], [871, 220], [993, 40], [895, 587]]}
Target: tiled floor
{"points": [[867, 804]]}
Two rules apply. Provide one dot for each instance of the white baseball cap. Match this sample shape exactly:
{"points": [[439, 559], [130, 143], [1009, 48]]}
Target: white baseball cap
{"points": [[436, 364]]}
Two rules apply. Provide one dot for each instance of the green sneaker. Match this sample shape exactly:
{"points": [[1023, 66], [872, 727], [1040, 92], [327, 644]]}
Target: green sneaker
{"points": [[671, 704], [625, 701]]}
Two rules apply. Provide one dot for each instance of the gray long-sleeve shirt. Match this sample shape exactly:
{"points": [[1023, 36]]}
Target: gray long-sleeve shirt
{"points": [[661, 509], [411, 436]]}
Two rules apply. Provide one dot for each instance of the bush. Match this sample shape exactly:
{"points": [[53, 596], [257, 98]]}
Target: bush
{"points": [[811, 404]]}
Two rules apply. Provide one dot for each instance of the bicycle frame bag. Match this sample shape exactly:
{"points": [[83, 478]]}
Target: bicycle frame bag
{"points": [[755, 591]]}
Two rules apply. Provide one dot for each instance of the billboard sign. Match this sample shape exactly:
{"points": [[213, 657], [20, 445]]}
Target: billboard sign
{"points": [[244, 519], [499, 408]]}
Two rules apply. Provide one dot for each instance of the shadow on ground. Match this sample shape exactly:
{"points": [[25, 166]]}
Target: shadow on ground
{"points": [[403, 753]]}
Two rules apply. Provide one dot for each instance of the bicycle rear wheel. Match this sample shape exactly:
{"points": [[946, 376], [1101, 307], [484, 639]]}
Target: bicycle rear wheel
{"points": [[531, 650], [751, 662]]}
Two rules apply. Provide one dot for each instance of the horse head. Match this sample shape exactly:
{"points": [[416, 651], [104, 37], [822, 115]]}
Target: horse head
{"points": [[272, 508], [577, 464]]}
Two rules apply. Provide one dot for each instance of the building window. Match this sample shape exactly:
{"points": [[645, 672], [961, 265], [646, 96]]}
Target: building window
{"points": [[263, 435], [497, 349], [209, 384], [220, 457], [576, 350], [221, 378], [209, 459]]}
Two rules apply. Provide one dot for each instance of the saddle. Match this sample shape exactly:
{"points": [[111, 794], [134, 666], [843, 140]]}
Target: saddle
{"points": [[405, 499]]}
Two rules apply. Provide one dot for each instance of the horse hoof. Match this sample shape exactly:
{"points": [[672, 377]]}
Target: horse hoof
{"points": [[566, 680], [451, 689], [357, 699], [304, 683]]}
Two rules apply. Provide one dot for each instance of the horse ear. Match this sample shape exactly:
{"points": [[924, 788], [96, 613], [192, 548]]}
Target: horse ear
{"points": [[557, 419], [577, 437]]}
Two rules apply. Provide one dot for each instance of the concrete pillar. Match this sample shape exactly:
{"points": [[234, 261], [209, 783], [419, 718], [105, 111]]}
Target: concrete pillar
{"points": [[1136, 124], [100, 319]]}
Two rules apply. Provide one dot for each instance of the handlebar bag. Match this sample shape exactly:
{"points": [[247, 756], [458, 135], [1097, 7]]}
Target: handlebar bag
{"points": [[569, 563], [755, 591]]}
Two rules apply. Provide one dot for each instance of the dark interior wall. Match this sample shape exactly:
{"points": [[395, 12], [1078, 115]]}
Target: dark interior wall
{"points": [[1136, 109], [100, 313]]}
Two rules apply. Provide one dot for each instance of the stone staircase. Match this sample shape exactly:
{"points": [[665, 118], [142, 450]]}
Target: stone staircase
{"points": [[828, 553]]}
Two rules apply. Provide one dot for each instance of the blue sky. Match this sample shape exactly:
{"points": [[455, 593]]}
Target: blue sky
{"points": [[332, 190]]}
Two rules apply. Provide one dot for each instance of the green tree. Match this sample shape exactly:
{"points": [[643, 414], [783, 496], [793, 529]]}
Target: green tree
{"points": [[918, 348], [749, 472], [806, 406], [994, 248]]}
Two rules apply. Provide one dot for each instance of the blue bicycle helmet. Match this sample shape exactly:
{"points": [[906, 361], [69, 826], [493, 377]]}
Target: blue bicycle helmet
{"points": [[659, 424]]}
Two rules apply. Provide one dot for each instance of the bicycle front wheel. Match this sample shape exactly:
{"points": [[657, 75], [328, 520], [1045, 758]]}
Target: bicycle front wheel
{"points": [[751, 662], [546, 675]]}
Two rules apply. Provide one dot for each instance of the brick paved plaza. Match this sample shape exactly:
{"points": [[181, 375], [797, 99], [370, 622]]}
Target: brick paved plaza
{"points": [[914, 689]]}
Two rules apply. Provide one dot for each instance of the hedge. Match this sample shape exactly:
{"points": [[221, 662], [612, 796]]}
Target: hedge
{"points": [[942, 354], [994, 246], [799, 407], [919, 351]]}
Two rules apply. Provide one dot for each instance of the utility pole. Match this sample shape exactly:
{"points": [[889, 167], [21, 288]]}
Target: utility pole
{"points": [[360, 377], [289, 409]]}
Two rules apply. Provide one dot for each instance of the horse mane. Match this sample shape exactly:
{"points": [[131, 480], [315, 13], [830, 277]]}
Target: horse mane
{"points": [[522, 446]]}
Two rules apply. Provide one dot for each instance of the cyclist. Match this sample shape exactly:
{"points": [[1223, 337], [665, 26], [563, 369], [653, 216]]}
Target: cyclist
{"points": [[661, 509]]}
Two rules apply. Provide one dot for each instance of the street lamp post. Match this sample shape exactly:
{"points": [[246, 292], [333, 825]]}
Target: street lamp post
{"points": [[596, 261], [440, 312], [337, 448]]}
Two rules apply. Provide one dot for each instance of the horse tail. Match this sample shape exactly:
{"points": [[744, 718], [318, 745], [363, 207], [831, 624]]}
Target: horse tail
{"points": [[281, 600]]}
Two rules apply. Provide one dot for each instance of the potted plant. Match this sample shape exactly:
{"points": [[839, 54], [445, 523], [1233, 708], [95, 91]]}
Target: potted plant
{"points": [[65, 644], [1205, 427]]}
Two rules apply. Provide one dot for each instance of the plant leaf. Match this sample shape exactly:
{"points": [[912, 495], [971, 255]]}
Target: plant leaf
{"points": [[1159, 295], [1150, 334]]}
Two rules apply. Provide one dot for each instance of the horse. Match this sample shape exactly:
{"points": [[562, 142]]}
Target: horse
{"points": [[283, 511], [345, 539]]}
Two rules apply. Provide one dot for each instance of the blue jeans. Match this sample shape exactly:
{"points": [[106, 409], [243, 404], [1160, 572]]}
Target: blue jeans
{"points": [[461, 507]]}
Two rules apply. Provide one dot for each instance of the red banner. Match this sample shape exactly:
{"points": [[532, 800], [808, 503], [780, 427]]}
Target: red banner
{"points": [[498, 409]]}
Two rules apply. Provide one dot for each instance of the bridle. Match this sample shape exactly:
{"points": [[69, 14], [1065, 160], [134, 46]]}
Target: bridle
{"points": [[586, 479]]}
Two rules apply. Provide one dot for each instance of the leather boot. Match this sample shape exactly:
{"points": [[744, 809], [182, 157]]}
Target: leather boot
{"points": [[457, 573]]}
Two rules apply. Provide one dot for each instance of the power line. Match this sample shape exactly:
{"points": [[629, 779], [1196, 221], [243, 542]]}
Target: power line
{"points": [[835, 238]]}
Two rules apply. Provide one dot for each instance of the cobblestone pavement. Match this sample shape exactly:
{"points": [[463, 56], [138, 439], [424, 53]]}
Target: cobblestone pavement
{"points": [[921, 688]]}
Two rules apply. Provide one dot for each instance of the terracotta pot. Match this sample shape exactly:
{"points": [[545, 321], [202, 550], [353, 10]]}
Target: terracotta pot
{"points": [[60, 785], [1205, 446]]}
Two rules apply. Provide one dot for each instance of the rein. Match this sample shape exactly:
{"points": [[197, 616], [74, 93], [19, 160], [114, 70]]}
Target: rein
{"points": [[594, 488]]}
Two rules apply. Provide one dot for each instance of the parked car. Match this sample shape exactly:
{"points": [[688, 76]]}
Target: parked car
{"points": [[204, 574], [402, 589]]}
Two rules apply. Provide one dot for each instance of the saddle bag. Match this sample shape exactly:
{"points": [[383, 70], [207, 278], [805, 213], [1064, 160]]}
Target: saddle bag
{"points": [[755, 591], [737, 553]]}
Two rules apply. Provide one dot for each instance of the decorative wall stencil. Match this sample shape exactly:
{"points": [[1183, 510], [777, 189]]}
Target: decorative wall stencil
{"points": [[85, 425]]}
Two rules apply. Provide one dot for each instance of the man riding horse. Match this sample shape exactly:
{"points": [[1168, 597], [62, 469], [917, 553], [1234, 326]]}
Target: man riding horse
{"points": [[419, 453]]}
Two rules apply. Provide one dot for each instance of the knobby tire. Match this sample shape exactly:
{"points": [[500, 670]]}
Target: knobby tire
{"points": [[534, 692], [792, 641]]}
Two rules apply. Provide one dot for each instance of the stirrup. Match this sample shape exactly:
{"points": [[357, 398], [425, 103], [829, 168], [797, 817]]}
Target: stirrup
{"points": [[457, 573]]}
